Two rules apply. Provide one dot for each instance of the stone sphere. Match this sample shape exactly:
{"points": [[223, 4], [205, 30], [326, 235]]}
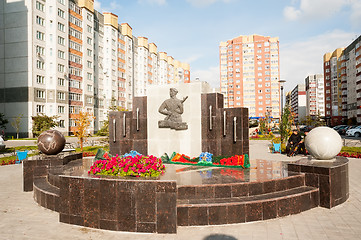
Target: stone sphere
{"points": [[323, 143], [51, 142]]}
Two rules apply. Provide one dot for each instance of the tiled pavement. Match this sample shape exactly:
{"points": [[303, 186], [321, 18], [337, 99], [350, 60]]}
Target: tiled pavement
{"points": [[22, 218]]}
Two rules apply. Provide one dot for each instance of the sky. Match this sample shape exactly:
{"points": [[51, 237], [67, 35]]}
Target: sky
{"points": [[191, 30]]}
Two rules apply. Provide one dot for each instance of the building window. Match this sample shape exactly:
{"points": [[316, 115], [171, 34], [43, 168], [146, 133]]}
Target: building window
{"points": [[61, 95], [40, 79], [90, 64], [40, 20], [75, 96], [89, 52], [89, 100], [61, 54], [75, 58], [40, 94], [61, 40], [75, 33], [89, 28], [61, 13], [75, 71], [40, 50], [74, 83], [60, 68], [61, 81], [62, 123], [89, 76], [40, 35], [39, 64], [89, 17], [89, 40], [75, 21], [39, 6], [90, 88], [61, 2], [74, 8], [61, 110], [40, 108], [61, 27]]}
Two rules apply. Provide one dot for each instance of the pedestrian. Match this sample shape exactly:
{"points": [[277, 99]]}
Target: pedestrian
{"points": [[293, 141]]}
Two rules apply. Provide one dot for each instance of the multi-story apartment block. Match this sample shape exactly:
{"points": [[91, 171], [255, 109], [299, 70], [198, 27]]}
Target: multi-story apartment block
{"points": [[315, 101], [351, 82], [342, 70], [332, 78], [298, 103], [59, 57], [249, 74]]}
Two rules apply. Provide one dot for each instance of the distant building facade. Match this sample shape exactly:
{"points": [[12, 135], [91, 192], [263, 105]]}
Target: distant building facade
{"points": [[63, 56], [342, 76], [298, 102], [249, 74], [315, 100]]}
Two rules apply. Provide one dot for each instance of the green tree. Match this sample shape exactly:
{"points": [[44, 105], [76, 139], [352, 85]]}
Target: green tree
{"points": [[42, 122], [3, 121], [287, 120], [16, 124], [82, 123]]}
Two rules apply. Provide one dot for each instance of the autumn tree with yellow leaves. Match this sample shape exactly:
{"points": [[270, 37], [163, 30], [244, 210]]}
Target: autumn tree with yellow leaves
{"points": [[82, 123]]}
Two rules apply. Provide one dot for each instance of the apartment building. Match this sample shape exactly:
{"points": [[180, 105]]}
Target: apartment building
{"points": [[351, 82], [63, 56], [332, 78], [249, 74], [298, 103], [342, 70], [315, 100]]}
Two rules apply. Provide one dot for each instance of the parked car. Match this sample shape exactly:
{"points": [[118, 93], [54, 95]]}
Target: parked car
{"points": [[338, 127], [342, 130], [356, 132]]}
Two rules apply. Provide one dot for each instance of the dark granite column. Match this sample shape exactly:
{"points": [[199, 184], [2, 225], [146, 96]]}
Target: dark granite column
{"points": [[128, 129], [221, 135]]}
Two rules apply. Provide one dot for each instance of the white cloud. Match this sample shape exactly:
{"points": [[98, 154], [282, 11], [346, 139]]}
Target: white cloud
{"points": [[300, 59], [210, 75], [356, 13], [157, 2], [192, 58], [315, 9], [205, 3], [291, 13]]}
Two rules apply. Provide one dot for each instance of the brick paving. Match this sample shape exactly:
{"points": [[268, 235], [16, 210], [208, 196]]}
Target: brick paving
{"points": [[22, 218]]}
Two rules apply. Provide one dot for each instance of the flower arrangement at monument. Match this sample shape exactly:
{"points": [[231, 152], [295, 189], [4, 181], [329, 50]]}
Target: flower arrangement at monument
{"points": [[132, 164], [207, 159]]}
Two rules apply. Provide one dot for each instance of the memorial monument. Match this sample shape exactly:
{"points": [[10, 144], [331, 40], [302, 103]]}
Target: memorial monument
{"points": [[173, 109]]}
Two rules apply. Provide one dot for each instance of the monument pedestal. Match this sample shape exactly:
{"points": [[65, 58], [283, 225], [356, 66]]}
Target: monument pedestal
{"points": [[331, 177]]}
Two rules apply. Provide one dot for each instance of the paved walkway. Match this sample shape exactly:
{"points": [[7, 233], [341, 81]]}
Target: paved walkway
{"points": [[22, 218]]}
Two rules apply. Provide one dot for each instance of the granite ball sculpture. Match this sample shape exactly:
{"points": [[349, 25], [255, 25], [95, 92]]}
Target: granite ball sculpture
{"points": [[51, 142], [323, 143]]}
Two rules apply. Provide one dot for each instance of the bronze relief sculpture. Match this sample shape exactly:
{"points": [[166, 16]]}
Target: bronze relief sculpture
{"points": [[172, 108]]}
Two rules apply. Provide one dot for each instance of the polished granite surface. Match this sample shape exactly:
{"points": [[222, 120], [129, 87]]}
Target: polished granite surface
{"points": [[260, 170]]}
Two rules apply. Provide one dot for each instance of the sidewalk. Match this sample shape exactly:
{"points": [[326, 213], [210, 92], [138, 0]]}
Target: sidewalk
{"points": [[22, 218]]}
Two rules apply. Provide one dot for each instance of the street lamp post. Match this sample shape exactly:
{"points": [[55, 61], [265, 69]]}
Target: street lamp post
{"points": [[281, 83]]}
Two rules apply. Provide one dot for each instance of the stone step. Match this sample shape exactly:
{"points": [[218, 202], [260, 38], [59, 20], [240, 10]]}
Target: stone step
{"points": [[45, 194], [240, 189], [195, 212]]}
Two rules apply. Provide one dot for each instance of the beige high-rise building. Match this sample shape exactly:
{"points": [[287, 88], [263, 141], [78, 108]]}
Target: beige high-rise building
{"points": [[63, 56], [249, 74]]}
